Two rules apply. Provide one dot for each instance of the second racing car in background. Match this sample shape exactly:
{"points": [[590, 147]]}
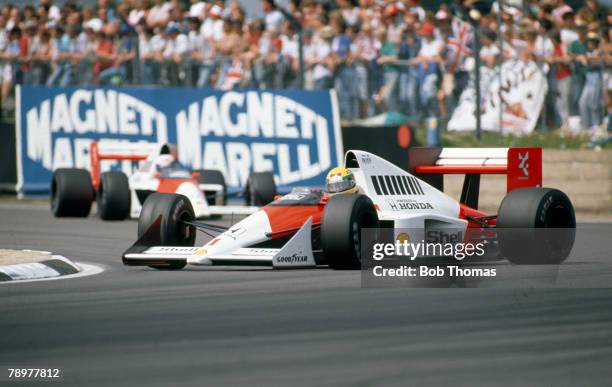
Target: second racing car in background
{"points": [[119, 196]]}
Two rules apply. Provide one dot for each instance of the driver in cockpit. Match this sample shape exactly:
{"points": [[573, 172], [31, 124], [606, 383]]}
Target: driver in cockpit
{"points": [[165, 164], [341, 180]]}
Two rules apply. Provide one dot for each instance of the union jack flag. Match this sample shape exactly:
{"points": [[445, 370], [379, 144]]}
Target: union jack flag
{"points": [[233, 75], [459, 43]]}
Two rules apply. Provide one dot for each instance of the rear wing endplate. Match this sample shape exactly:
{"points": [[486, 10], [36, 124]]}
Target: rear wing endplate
{"points": [[522, 167], [115, 150]]}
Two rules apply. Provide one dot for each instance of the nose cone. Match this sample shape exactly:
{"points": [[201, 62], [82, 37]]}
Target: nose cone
{"points": [[245, 233]]}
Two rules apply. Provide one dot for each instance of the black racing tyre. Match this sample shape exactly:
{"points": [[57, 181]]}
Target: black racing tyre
{"points": [[113, 196], [260, 189], [174, 210], [212, 176], [174, 265], [71, 193], [343, 218], [536, 226]]}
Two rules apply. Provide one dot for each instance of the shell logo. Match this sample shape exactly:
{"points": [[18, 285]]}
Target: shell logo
{"points": [[403, 237], [201, 251]]}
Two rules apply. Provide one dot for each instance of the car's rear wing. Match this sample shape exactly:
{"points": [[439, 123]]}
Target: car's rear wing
{"points": [[522, 167], [115, 150]]}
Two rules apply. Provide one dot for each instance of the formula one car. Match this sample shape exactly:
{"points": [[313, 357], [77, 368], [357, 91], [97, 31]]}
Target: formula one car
{"points": [[118, 197], [309, 227]]}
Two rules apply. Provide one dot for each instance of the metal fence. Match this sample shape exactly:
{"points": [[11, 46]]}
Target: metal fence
{"points": [[364, 88]]}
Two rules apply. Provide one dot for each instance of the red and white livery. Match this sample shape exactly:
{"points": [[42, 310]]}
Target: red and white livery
{"points": [[308, 227], [119, 195]]}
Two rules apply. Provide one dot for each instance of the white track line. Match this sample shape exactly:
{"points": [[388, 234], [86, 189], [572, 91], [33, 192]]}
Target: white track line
{"points": [[87, 269]]}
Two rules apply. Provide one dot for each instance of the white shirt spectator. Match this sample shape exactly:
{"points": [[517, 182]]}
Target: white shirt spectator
{"points": [[488, 51], [265, 44], [178, 46], [197, 9], [568, 36], [365, 48], [419, 11], [33, 45], [192, 39], [519, 46], [159, 13], [309, 56], [3, 39], [135, 16], [434, 47], [510, 53], [274, 20], [394, 32], [350, 16], [145, 46], [54, 13], [290, 47], [157, 43], [205, 47], [321, 50], [212, 28], [94, 23], [543, 47], [84, 44]]}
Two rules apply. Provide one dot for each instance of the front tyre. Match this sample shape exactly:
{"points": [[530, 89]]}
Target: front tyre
{"points": [[343, 219], [71, 193], [172, 211], [536, 226]]}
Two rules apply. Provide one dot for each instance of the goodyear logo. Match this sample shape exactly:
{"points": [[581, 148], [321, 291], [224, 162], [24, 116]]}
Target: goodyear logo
{"points": [[295, 258]]}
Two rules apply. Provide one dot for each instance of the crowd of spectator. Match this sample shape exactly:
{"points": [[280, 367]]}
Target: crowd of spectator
{"points": [[379, 55]]}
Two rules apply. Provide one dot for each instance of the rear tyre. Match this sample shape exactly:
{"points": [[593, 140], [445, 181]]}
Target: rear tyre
{"points": [[71, 193], [113, 196], [522, 220], [213, 176], [343, 219], [260, 189], [174, 210]]}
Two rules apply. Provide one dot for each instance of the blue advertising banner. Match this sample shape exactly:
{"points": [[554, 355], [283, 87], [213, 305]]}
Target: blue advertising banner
{"points": [[295, 134]]}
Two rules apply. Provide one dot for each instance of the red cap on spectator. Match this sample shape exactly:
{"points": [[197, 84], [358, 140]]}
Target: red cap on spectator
{"points": [[278, 43], [391, 10], [426, 29]]}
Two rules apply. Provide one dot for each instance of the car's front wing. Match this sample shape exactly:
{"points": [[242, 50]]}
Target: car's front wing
{"points": [[296, 253]]}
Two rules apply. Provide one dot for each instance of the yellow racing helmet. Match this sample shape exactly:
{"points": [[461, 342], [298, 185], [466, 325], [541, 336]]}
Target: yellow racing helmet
{"points": [[340, 180]]}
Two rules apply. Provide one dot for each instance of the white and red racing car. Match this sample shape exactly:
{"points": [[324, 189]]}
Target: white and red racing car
{"points": [[307, 227], [118, 196]]}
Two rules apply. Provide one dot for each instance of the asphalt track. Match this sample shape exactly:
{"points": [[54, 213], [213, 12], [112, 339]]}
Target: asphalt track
{"points": [[138, 326]]}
